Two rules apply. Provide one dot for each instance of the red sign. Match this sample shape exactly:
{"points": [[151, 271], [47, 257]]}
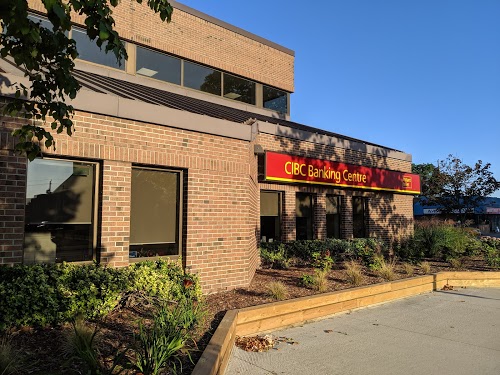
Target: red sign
{"points": [[290, 168]]}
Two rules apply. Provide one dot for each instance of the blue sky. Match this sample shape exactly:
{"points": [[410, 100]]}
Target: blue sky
{"points": [[419, 76]]}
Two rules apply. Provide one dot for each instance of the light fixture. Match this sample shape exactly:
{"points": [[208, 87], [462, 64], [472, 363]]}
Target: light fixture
{"points": [[147, 72], [232, 95]]}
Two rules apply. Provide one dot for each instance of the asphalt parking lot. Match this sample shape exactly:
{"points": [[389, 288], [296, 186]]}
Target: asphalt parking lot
{"points": [[445, 332]]}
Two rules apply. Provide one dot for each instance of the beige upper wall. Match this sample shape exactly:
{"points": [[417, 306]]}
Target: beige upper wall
{"points": [[203, 40]]}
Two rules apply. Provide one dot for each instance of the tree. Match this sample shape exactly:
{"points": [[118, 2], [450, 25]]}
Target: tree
{"points": [[454, 186], [47, 58]]}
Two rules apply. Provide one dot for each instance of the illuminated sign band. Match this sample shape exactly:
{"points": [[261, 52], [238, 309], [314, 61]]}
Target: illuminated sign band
{"points": [[290, 168]]}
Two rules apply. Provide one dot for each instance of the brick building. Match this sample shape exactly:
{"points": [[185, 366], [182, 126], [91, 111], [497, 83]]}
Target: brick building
{"points": [[188, 149]]}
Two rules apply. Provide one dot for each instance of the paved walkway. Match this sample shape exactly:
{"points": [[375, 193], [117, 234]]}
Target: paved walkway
{"points": [[453, 332]]}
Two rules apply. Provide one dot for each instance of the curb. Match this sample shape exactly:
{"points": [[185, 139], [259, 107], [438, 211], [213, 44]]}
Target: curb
{"points": [[276, 315]]}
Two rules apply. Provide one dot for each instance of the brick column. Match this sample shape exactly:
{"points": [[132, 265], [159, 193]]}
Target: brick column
{"points": [[12, 205], [320, 216], [289, 230], [346, 224], [115, 226]]}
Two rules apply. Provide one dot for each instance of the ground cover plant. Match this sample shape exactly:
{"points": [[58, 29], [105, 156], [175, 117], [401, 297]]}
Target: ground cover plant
{"points": [[128, 339]]}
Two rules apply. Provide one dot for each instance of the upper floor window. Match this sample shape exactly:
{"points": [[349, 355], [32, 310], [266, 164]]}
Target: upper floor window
{"points": [[239, 89], [158, 65], [89, 51], [202, 78], [275, 99]]}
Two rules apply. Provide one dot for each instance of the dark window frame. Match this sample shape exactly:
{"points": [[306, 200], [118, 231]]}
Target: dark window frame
{"points": [[179, 243], [96, 206], [338, 214], [309, 235], [280, 215], [364, 218]]}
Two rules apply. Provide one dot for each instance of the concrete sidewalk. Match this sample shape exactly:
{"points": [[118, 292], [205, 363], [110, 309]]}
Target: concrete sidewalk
{"points": [[446, 332]]}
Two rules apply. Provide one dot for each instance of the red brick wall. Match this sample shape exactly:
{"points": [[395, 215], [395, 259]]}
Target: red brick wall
{"points": [[221, 203]]}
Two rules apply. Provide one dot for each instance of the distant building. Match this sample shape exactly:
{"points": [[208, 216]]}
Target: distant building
{"points": [[486, 216]]}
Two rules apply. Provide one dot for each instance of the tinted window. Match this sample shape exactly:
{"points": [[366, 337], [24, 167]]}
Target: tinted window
{"points": [[270, 216], [359, 210], [239, 89], [202, 78], [304, 216], [333, 216], [59, 211], [88, 50], [275, 99], [44, 22], [157, 65], [154, 213]]}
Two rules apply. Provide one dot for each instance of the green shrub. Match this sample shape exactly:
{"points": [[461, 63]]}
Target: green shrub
{"points": [[275, 259], [408, 249], [322, 260], [307, 281], [492, 256], [41, 295]]}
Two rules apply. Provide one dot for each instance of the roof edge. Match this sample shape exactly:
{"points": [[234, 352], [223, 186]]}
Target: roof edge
{"points": [[233, 28]]}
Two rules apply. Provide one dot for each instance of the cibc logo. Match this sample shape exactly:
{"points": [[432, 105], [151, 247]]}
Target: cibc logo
{"points": [[407, 182]]}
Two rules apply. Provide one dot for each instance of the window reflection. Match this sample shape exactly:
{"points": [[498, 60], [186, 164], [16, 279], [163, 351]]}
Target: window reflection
{"points": [[59, 211], [158, 65], [202, 78], [359, 212], [89, 51], [239, 89], [275, 99]]}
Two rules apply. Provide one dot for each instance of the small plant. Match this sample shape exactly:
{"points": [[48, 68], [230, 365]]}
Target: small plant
{"points": [[354, 273], [80, 344], [275, 259], [320, 282], [409, 269], [387, 270], [307, 281], [377, 262], [277, 290], [426, 267], [10, 360], [456, 263], [492, 256], [163, 343], [322, 260]]}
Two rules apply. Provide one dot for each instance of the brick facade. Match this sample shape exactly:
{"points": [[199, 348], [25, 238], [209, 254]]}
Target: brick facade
{"points": [[196, 39]]}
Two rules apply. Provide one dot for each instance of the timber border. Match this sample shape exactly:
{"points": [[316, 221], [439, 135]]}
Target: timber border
{"points": [[277, 315]]}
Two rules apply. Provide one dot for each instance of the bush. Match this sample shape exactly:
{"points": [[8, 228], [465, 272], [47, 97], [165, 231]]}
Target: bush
{"points": [[307, 281], [41, 295], [408, 249], [323, 260], [275, 259], [492, 256]]}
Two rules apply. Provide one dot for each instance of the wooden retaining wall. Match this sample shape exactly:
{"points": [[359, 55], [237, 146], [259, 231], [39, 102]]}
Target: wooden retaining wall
{"points": [[277, 315]]}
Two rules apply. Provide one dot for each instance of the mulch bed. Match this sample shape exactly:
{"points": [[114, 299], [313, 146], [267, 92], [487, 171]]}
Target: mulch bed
{"points": [[44, 348]]}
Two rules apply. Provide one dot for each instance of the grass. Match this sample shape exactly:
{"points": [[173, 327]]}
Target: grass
{"points": [[386, 270], [426, 267], [320, 281], [277, 290], [80, 344], [10, 360], [409, 269], [354, 273], [457, 263]]}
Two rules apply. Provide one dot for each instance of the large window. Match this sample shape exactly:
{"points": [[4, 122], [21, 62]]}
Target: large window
{"points": [[202, 78], [158, 65], [89, 51], [359, 216], [333, 216], [60, 211], [270, 216], [239, 89], [304, 216], [155, 213], [275, 99]]}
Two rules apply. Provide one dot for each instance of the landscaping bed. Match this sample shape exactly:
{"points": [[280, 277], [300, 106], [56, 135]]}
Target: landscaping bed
{"points": [[299, 268]]}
